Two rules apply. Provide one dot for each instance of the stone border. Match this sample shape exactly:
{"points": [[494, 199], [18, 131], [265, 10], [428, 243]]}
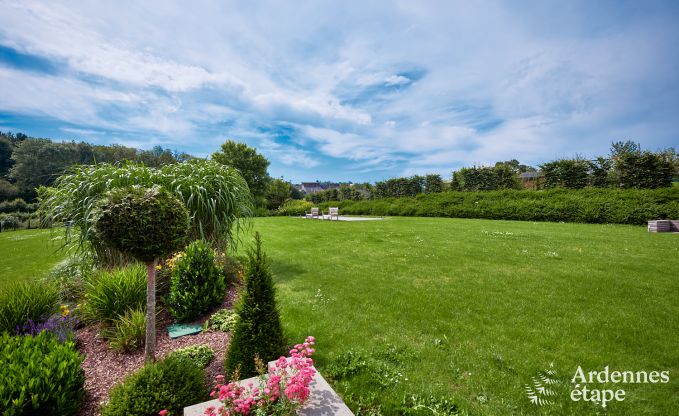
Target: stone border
{"points": [[323, 400]]}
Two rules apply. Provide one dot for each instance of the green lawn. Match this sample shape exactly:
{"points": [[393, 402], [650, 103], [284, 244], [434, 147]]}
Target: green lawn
{"points": [[472, 309], [26, 254]]}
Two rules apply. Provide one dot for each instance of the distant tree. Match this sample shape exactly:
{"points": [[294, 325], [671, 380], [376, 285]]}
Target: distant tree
{"points": [[566, 173], [485, 178], [643, 170], [619, 148], [278, 191], [5, 156], [600, 172], [38, 162], [296, 193], [7, 190], [433, 183], [251, 165], [515, 166]]}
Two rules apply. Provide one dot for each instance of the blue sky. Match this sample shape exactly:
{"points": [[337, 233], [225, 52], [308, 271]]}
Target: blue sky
{"points": [[346, 90]]}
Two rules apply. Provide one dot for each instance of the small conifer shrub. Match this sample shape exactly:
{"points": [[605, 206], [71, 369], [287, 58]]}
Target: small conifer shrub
{"points": [[258, 332]]}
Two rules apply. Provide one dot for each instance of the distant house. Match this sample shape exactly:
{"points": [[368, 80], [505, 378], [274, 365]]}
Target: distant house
{"points": [[311, 187], [531, 180]]}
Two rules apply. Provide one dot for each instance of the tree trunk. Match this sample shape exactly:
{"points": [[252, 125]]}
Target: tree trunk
{"points": [[150, 346]]}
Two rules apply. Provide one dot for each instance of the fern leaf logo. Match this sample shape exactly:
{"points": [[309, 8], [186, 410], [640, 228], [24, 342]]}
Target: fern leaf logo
{"points": [[539, 392]]}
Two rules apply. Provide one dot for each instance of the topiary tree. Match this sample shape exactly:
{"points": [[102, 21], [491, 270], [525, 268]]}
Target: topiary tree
{"points": [[145, 223], [258, 331]]}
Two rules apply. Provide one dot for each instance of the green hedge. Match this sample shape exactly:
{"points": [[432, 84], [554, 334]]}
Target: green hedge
{"points": [[617, 206]]}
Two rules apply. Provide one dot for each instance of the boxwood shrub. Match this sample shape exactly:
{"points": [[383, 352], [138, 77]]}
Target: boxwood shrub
{"points": [[171, 384], [39, 376], [197, 284]]}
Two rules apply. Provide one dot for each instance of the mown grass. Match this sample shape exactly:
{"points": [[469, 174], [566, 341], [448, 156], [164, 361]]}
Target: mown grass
{"points": [[472, 309], [26, 255]]}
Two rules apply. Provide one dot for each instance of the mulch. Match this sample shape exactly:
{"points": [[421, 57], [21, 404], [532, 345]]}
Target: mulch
{"points": [[105, 367]]}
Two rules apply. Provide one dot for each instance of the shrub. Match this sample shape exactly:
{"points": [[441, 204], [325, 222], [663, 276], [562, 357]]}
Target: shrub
{"points": [[200, 355], [128, 332], [258, 331], [196, 283], [171, 384], [39, 376], [109, 295], [294, 207], [9, 222], [223, 320], [21, 302]]}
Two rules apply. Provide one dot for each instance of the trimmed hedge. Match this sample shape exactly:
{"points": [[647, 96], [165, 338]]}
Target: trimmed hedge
{"points": [[590, 205], [171, 384], [40, 376]]}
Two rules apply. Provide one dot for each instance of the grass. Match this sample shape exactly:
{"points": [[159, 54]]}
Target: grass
{"points": [[26, 254], [473, 309], [468, 310]]}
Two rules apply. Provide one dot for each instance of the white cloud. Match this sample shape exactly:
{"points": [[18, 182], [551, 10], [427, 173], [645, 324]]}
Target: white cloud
{"points": [[422, 86]]}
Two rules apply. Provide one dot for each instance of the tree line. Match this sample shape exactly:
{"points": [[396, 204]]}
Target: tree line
{"points": [[27, 163]]}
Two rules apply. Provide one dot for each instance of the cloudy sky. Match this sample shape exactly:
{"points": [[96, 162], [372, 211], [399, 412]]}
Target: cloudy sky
{"points": [[346, 90]]}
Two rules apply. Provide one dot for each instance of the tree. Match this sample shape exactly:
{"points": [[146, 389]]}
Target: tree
{"points": [[566, 173], [5, 156], [258, 331], [485, 178], [147, 224], [216, 197], [249, 163], [277, 192], [600, 170], [433, 184]]}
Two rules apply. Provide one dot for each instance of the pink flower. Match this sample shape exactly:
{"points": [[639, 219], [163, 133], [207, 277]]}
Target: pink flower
{"points": [[163, 412]]}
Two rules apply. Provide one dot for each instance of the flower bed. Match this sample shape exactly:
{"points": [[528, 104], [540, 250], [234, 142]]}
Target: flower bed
{"points": [[291, 386]]}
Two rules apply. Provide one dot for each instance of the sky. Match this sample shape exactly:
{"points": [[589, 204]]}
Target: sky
{"points": [[346, 90]]}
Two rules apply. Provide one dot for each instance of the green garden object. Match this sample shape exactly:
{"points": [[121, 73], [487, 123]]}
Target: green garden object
{"points": [[179, 330]]}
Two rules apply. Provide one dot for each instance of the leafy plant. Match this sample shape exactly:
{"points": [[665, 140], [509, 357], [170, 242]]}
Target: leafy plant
{"points": [[39, 375], [258, 331], [172, 384], [231, 268], [223, 320], [196, 283], [216, 196], [21, 302], [294, 207], [128, 331], [110, 294], [418, 405], [200, 355]]}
